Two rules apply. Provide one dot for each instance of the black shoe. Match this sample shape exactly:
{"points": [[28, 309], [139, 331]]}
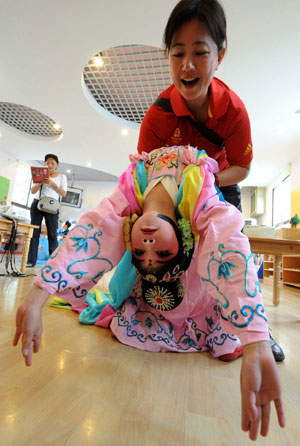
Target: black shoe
{"points": [[277, 350]]}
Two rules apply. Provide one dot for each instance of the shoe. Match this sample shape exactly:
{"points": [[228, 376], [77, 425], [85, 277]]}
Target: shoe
{"points": [[30, 265], [277, 350], [231, 356]]}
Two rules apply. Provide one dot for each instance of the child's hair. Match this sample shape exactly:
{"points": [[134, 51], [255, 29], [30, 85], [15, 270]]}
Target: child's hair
{"points": [[50, 155], [67, 223], [209, 12]]}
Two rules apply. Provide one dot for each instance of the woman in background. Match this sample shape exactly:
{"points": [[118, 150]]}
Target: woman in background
{"points": [[54, 186]]}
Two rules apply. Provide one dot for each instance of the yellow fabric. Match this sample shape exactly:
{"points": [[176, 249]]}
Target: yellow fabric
{"points": [[62, 303], [138, 192], [193, 182], [59, 303]]}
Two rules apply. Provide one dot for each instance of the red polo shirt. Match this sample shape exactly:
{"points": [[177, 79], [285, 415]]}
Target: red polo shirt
{"points": [[228, 117]]}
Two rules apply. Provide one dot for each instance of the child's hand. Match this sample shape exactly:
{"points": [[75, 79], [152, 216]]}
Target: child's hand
{"points": [[29, 322], [259, 386]]}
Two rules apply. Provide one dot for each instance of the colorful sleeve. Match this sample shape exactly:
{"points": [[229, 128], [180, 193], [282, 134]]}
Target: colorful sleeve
{"points": [[94, 246], [238, 143], [226, 266]]}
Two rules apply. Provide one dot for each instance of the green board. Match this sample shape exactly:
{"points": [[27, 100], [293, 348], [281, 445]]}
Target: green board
{"points": [[4, 188]]}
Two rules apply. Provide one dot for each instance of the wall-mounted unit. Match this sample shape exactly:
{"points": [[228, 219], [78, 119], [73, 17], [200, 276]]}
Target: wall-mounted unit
{"points": [[258, 199]]}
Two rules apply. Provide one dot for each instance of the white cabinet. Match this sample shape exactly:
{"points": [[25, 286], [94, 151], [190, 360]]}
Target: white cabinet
{"points": [[258, 198]]}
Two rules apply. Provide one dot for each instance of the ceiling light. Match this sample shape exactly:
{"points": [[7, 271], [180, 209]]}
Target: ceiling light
{"points": [[0, 135], [124, 132], [88, 164], [68, 170], [98, 61], [56, 126]]}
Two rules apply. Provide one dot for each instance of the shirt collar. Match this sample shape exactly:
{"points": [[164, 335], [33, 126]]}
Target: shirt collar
{"points": [[219, 100]]}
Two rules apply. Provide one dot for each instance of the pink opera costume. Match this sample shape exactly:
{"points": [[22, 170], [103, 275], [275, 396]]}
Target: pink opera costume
{"points": [[220, 304]]}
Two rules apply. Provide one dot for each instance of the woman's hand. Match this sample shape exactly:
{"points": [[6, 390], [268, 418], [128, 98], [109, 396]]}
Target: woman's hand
{"points": [[50, 182], [259, 386], [29, 322]]}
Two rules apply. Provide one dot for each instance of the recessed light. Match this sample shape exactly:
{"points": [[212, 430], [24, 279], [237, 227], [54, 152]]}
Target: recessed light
{"points": [[88, 164], [124, 132], [98, 61], [68, 170], [0, 135], [56, 126]]}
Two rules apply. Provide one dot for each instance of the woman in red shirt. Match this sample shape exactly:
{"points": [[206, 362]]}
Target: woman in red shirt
{"points": [[199, 109], [195, 40]]}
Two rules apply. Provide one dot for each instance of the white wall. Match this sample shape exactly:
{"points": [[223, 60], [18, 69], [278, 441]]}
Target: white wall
{"points": [[93, 193], [246, 201], [295, 173], [8, 169]]}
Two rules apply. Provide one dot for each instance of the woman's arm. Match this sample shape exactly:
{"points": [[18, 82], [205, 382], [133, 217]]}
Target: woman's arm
{"points": [[232, 175], [36, 187], [29, 322], [55, 187]]}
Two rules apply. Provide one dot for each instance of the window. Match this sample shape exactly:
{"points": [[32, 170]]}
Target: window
{"points": [[281, 206], [21, 190]]}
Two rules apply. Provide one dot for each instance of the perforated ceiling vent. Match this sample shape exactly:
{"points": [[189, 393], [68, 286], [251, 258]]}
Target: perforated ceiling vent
{"points": [[28, 120], [129, 81]]}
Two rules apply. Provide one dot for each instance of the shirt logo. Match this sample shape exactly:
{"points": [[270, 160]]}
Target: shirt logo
{"points": [[248, 149], [177, 133]]}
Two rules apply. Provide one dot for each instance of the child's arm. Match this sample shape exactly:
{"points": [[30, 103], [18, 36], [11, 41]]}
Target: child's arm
{"points": [[29, 322], [259, 386], [226, 266]]}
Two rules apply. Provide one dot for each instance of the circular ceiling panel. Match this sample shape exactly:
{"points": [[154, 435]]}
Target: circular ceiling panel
{"points": [[28, 120], [126, 80]]}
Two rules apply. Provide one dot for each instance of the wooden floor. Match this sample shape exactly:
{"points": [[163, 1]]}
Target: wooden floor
{"points": [[85, 388]]}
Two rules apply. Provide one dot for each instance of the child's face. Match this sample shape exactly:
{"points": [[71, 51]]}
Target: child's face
{"points": [[153, 241]]}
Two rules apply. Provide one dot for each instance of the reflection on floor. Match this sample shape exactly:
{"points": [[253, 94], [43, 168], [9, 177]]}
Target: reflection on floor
{"points": [[85, 388]]}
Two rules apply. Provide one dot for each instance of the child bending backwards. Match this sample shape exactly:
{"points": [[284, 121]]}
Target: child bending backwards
{"points": [[185, 280]]}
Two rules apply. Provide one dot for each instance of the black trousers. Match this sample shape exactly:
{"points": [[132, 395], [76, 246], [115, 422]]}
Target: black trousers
{"points": [[51, 224], [232, 194]]}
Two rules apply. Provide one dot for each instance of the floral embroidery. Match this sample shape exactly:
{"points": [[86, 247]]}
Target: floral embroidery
{"points": [[224, 270], [88, 244], [247, 312], [148, 322]]}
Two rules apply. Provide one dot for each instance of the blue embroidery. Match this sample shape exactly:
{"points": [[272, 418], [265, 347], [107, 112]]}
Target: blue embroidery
{"points": [[84, 243], [56, 277], [224, 271], [247, 312], [148, 322], [189, 339]]}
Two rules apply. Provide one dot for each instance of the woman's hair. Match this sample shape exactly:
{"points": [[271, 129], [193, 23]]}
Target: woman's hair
{"points": [[50, 155], [209, 12]]}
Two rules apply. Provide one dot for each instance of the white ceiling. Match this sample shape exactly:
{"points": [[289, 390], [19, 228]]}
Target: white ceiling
{"points": [[44, 47]]}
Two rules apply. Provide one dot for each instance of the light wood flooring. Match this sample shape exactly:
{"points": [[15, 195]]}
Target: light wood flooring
{"points": [[85, 388]]}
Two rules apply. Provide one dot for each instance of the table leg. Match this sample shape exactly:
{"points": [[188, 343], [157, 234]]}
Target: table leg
{"points": [[25, 252], [276, 280]]}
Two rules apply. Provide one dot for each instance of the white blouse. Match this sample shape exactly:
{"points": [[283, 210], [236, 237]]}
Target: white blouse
{"points": [[48, 191]]}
